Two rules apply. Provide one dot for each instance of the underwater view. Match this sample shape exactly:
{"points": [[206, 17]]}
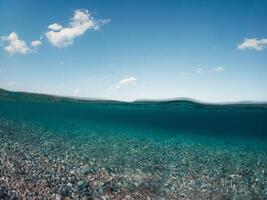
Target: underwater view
{"points": [[61, 148], [133, 100]]}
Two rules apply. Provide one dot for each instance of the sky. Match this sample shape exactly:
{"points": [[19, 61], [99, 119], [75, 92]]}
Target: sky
{"points": [[214, 51]]}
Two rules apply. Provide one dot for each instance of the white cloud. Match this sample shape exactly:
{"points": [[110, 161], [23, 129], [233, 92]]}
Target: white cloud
{"points": [[55, 27], [183, 74], [217, 69], [76, 91], [82, 21], [126, 82], [36, 43], [199, 70], [103, 78], [11, 83], [100, 23], [15, 45], [109, 88], [253, 44], [206, 70]]}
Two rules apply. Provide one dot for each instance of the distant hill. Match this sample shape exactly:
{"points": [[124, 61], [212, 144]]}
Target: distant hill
{"points": [[27, 96], [178, 102]]}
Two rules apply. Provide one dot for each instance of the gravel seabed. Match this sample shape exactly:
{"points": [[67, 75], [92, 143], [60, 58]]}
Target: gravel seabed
{"points": [[38, 163]]}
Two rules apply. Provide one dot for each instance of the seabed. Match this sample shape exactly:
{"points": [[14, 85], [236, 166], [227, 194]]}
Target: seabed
{"points": [[63, 151]]}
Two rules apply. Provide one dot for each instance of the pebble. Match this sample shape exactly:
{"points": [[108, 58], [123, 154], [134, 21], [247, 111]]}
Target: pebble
{"points": [[58, 197], [65, 191], [85, 170], [69, 184], [3, 192], [80, 183], [72, 172]]}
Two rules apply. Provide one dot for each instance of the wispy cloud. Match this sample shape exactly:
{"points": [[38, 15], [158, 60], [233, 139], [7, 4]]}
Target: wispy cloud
{"points": [[199, 70], [76, 91], [217, 69], [15, 45], [253, 44], [82, 21], [11, 83], [99, 79], [106, 77], [128, 81], [183, 74], [109, 88]]}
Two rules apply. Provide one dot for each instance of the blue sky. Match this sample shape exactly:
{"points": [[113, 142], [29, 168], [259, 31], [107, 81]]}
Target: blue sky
{"points": [[208, 50]]}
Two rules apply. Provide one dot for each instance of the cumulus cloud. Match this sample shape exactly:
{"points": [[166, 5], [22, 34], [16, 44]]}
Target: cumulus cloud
{"points": [[55, 27], [82, 21], [126, 82], [15, 44], [217, 69], [253, 44], [36, 43]]}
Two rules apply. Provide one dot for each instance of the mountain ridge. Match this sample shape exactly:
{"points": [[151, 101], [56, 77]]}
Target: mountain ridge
{"points": [[30, 96]]}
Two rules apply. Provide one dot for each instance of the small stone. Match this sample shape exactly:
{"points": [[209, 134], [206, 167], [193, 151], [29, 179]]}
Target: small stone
{"points": [[58, 197], [85, 169], [72, 172], [80, 183], [64, 191], [69, 184], [3, 192], [12, 196], [109, 188]]}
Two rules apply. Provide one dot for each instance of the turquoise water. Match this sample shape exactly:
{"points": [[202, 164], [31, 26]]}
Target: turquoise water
{"points": [[175, 117], [141, 150]]}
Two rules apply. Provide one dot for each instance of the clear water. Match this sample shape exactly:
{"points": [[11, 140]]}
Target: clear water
{"points": [[229, 120], [164, 150]]}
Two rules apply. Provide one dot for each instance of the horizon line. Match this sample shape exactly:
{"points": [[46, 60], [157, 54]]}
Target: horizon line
{"points": [[170, 99]]}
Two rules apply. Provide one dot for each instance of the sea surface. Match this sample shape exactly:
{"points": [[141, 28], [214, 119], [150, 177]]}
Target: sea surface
{"points": [[60, 148]]}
